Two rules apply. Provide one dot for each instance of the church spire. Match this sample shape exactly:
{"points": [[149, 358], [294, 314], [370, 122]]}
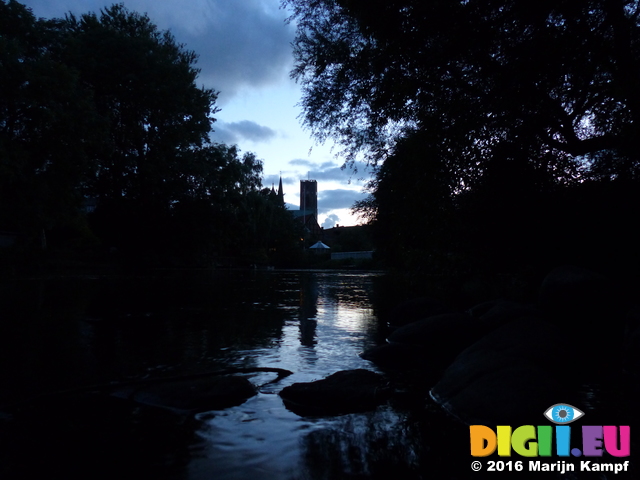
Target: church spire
{"points": [[280, 192]]}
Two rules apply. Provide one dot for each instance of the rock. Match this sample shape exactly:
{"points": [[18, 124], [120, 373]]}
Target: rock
{"points": [[570, 294], [508, 377], [632, 343], [480, 309], [632, 353], [429, 331], [587, 306], [441, 337], [417, 309], [397, 356], [194, 395], [503, 312], [343, 392], [534, 357], [431, 344]]}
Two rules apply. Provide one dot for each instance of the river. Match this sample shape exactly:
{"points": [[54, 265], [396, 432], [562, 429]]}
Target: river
{"points": [[64, 333]]}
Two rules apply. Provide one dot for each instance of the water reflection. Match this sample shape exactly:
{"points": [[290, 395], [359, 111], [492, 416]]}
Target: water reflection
{"points": [[67, 333], [308, 309], [373, 445], [264, 440]]}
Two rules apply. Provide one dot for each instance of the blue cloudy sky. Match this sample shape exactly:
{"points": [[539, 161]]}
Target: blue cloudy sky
{"points": [[245, 54]]}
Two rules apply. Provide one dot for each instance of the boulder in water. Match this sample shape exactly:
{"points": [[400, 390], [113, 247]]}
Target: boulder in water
{"points": [[508, 377], [347, 391]]}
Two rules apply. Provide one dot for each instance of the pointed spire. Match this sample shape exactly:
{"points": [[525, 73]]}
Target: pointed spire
{"points": [[280, 192]]}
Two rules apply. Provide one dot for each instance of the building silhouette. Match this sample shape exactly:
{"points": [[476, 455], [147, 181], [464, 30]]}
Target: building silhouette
{"points": [[309, 197], [308, 212], [278, 195]]}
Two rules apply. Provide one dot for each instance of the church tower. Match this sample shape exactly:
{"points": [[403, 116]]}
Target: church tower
{"points": [[309, 197]]}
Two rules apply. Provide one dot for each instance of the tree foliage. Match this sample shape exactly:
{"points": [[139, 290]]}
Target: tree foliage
{"points": [[44, 110], [554, 80], [490, 122], [105, 107], [143, 85]]}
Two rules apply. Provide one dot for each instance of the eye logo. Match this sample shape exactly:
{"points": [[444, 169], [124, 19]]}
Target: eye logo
{"points": [[563, 413]]}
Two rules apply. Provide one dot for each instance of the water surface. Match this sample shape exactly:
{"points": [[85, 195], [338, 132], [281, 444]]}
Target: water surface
{"points": [[62, 334]]}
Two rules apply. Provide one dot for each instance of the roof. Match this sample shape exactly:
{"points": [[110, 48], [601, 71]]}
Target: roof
{"points": [[320, 246]]}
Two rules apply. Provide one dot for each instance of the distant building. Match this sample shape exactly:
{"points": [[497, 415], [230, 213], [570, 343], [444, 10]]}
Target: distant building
{"points": [[309, 197], [308, 213], [279, 195], [352, 255], [354, 242]]}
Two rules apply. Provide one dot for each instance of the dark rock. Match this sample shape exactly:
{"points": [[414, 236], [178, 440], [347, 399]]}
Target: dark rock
{"points": [[632, 320], [573, 294], [194, 395], [397, 356], [587, 306], [431, 344], [535, 357], [632, 352], [343, 392], [508, 377], [441, 337], [632, 343], [478, 310], [503, 312], [416, 309]]}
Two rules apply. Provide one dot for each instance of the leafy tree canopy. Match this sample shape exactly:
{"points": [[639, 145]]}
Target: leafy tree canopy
{"points": [[553, 82], [44, 111], [144, 86], [105, 107], [496, 125]]}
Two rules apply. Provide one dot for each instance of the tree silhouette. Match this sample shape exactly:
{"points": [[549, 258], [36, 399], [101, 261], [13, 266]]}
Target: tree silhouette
{"points": [[553, 77], [105, 107], [44, 111], [143, 85]]}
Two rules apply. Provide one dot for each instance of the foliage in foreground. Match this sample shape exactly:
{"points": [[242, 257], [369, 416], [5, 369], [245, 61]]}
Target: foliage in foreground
{"points": [[104, 139], [504, 131]]}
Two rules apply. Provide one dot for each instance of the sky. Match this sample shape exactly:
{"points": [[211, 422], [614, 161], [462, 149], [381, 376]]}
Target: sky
{"points": [[244, 52]]}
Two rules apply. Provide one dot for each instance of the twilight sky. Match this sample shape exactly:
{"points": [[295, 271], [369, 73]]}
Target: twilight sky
{"points": [[245, 54]]}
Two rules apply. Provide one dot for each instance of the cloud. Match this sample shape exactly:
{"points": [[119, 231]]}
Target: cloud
{"points": [[334, 173], [337, 173], [335, 199], [330, 221], [328, 200], [301, 162], [275, 179], [240, 43], [331, 171], [270, 181], [234, 132], [290, 180]]}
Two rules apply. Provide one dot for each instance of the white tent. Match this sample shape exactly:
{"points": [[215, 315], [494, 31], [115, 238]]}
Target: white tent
{"points": [[319, 246]]}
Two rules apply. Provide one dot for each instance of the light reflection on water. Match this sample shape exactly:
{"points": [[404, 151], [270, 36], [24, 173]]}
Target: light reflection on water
{"points": [[83, 331], [262, 439], [333, 322], [64, 333]]}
